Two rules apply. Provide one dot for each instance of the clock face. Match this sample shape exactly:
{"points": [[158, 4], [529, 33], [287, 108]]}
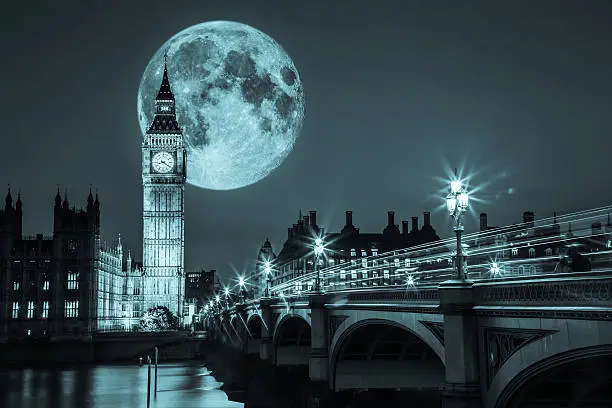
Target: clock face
{"points": [[163, 162]]}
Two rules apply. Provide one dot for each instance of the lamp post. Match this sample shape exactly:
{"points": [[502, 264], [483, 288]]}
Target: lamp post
{"points": [[318, 250], [227, 293], [268, 273], [242, 289], [457, 204]]}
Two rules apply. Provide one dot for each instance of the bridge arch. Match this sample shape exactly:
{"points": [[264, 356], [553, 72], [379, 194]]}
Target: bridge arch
{"points": [[535, 381], [383, 353], [561, 343], [291, 340], [415, 323], [254, 324]]}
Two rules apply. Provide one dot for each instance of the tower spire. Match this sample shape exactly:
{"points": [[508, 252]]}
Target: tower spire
{"points": [[164, 121], [165, 92]]}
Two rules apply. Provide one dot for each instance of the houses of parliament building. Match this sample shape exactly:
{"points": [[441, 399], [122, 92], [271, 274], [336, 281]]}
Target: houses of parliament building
{"points": [[70, 284]]}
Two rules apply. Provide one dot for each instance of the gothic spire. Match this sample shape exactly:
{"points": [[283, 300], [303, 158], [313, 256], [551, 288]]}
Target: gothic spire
{"points": [[18, 204], [164, 121], [90, 197], [9, 199], [165, 93], [65, 203], [58, 198]]}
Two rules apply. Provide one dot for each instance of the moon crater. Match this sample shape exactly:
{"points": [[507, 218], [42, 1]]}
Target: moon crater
{"points": [[239, 100]]}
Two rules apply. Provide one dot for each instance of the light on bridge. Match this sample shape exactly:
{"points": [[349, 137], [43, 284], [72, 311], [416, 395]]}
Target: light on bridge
{"points": [[495, 269]]}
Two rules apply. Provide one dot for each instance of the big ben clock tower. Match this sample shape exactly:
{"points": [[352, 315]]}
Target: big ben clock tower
{"points": [[163, 180]]}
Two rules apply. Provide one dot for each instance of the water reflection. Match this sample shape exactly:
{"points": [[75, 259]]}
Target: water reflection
{"points": [[179, 385]]}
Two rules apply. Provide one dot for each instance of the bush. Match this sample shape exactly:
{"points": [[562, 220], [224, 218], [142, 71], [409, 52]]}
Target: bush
{"points": [[158, 318]]}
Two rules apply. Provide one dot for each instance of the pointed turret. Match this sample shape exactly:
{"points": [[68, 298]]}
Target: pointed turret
{"points": [[164, 121], [8, 201], [18, 204], [58, 199], [128, 262], [90, 200], [165, 92], [119, 246], [65, 204]]}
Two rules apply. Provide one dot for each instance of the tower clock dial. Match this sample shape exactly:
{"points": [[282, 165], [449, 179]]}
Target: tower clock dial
{"points": [[163, 162]]}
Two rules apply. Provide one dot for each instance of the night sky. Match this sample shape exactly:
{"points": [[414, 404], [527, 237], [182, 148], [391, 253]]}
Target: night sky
{"points": [[397, 92]]}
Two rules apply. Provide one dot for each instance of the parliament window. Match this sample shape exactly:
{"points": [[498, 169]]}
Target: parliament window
{"points": [[15, 285], [514, 251], [73, 280], [30, 310], [45, 285], [15, 314], [45, 310], [71, 308]]}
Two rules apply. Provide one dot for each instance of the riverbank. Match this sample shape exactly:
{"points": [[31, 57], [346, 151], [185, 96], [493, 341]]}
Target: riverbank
{"points": [[102, 349]]}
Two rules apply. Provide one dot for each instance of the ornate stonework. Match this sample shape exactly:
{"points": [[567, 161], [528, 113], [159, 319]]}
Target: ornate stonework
{"points": [[501, 343], [334, 322], [436, 328]]}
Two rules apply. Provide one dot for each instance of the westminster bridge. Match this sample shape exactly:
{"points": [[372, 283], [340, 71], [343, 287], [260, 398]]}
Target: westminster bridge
{"points": [[538, 335]]}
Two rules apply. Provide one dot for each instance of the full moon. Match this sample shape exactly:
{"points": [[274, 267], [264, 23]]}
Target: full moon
{"points": [[239, 100]]}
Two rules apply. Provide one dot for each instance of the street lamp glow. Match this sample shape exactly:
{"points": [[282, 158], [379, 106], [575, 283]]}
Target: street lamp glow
{"points": [[211, 303], [206, 308], [226, 292], [456, 186], [462, 200], [410, 280], [319, 247], [241, 281], [495, 270], [217, 298], [457, 203]]}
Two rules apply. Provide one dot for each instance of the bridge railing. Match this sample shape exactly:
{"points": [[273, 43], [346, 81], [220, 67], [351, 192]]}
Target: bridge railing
{"points": [[517, 251]]}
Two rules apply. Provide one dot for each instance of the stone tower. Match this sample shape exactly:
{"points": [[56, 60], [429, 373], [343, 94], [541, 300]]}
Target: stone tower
{"points": [[163, 180]]}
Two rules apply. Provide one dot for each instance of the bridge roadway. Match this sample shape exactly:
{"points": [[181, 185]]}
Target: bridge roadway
{"points": [[490, 343]]}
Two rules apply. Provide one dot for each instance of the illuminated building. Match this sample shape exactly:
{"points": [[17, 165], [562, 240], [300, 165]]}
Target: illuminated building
{"points": [[257, 279], [349, 245], [163, 176], [48, 283], [199, 288], [120, 289]]}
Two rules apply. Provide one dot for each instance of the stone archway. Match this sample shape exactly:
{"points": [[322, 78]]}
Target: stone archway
{"points": [[292, 341], [579, 378], [384, 354]]}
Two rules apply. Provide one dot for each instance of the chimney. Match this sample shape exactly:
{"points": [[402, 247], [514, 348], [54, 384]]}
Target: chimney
{"points": [[415, 224], [313, 219], [390, 218], [596, 228], [483, 221], [349, 218], [426, 219], [528, 218], [405, 227]]}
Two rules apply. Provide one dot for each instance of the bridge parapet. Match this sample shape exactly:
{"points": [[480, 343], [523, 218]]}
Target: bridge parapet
{"points": [[571, 289]]}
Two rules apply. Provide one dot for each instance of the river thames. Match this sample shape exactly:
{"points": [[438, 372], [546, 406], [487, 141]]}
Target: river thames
{"points": [[112, 386]]}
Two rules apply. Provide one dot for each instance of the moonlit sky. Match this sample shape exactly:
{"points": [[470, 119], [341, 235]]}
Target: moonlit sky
{"points": [[396, 92]]}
